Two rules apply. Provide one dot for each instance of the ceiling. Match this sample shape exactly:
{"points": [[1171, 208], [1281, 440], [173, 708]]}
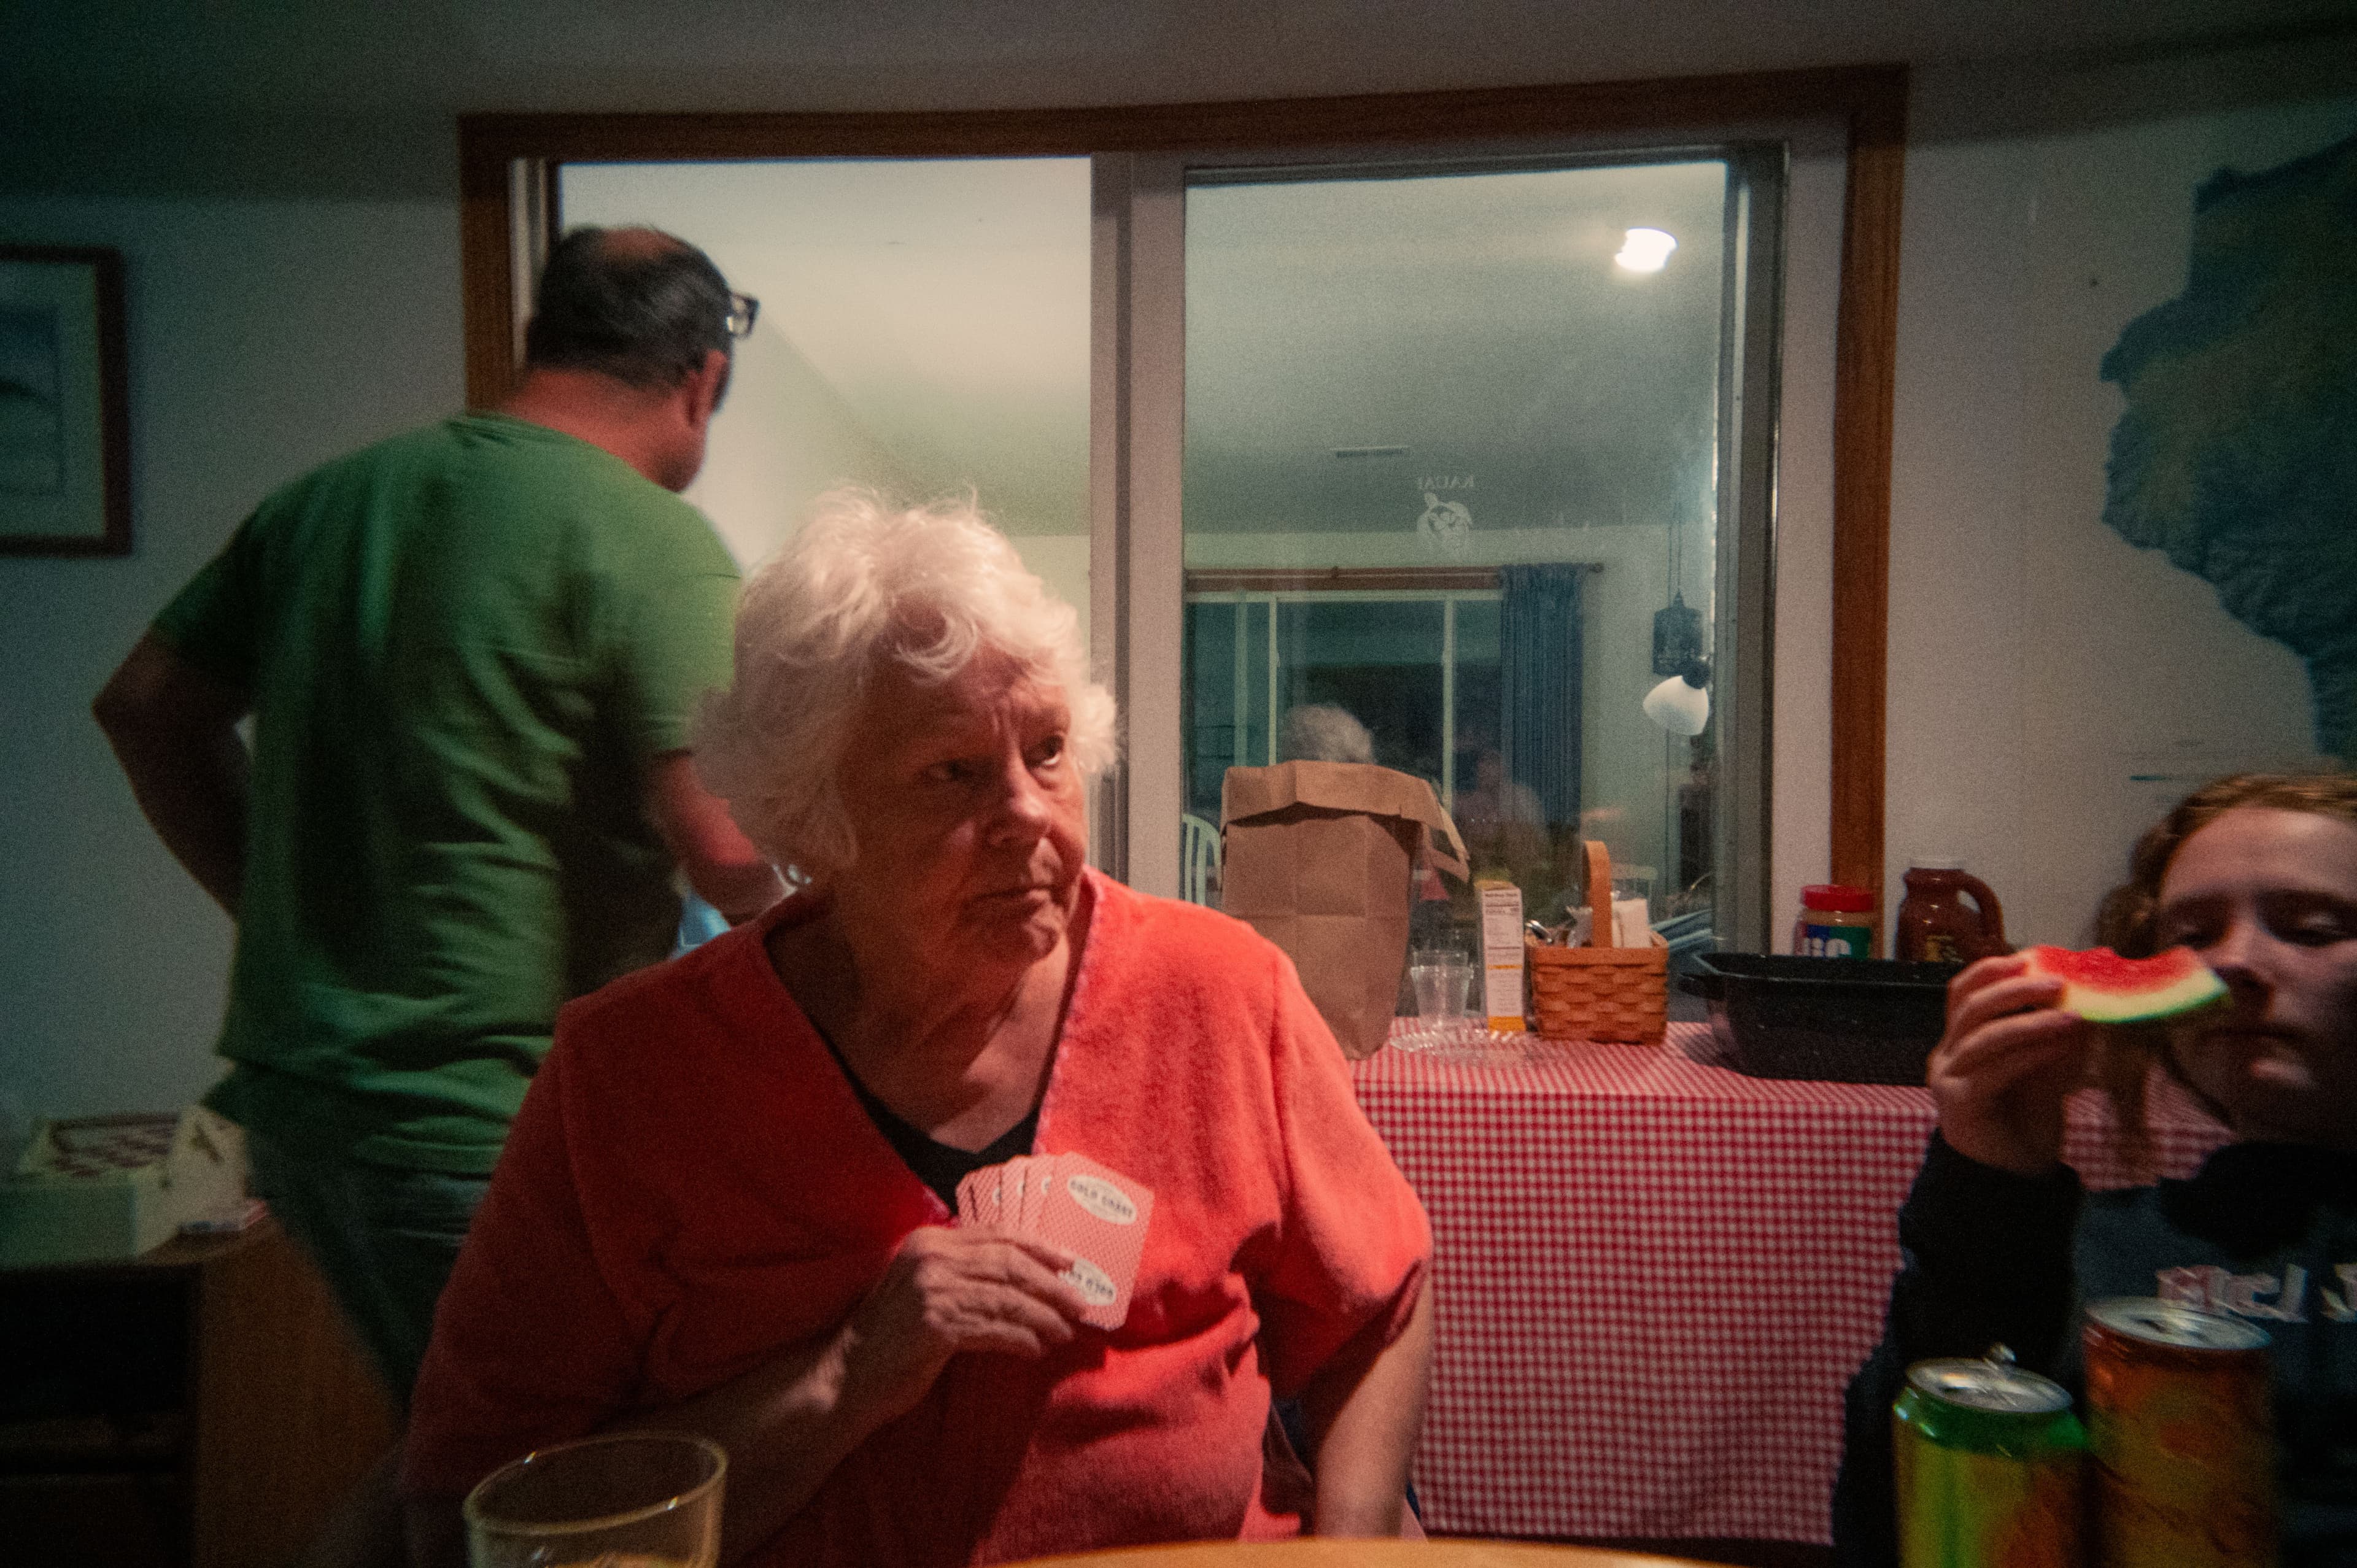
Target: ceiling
{"points": [[430, 58]]}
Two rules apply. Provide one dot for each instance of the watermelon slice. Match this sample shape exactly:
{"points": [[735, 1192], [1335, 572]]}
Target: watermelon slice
{"points": [[2105, 988]]}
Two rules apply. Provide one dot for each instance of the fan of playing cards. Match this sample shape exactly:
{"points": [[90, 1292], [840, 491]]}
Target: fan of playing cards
{"points": [[1069, 1202]]}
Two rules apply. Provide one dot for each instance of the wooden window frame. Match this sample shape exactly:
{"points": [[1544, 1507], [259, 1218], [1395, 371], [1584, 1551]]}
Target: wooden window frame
{"points": [[1345, 579], [505, 162]]}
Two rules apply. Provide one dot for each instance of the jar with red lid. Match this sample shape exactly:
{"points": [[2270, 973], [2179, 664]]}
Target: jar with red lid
{"points": [[1837, 921]]}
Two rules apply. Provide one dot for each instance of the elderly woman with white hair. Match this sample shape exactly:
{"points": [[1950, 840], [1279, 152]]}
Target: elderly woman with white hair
{"points": [[730, 1205]]}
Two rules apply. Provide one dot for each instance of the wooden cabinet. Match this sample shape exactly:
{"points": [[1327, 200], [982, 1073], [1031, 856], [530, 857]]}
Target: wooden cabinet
{"points": [[201, 1406]]}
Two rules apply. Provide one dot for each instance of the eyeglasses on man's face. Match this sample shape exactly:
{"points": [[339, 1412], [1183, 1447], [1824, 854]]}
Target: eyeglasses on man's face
{"points": [[743, 311]]}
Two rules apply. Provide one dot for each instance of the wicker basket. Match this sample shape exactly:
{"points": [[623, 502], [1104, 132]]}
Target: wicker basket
{"points": [[1600, 993]]}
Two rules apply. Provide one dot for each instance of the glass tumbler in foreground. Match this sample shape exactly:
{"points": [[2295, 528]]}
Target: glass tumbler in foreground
{"points": [[634, 1500]]}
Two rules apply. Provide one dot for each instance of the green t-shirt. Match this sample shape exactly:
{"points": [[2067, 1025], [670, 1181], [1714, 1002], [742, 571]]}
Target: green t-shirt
{"points": [[462, 646]]}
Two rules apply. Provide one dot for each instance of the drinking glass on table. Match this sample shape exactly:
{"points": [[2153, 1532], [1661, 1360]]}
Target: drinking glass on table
{"points": [[634, 1500], [1442, 977]]}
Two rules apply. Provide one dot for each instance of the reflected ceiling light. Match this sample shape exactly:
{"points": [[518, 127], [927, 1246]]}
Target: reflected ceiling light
{"points": [[1646, 250]]}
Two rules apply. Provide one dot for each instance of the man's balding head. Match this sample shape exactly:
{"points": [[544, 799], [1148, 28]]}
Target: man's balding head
{"points": [[637, 245], [641, 306]]}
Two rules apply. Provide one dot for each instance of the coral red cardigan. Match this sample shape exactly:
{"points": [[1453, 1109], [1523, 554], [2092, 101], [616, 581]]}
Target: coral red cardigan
{"points": [[692, 1186]]}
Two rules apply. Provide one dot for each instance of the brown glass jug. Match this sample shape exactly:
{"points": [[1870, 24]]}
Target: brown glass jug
{"points": [[1935, 923]]}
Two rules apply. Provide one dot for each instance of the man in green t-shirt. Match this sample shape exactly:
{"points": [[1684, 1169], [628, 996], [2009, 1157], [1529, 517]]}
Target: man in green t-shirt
{"points": [[470, 654]]}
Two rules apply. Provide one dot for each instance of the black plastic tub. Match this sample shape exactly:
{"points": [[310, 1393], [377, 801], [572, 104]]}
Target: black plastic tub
{"points": [[1844, 1020]]}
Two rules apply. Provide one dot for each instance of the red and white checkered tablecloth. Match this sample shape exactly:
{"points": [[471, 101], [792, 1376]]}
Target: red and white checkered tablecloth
{"points": [[1652, 1279]]}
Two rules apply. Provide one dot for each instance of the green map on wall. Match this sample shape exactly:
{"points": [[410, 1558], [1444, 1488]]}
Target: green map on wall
{"points": [[2238, 455]]}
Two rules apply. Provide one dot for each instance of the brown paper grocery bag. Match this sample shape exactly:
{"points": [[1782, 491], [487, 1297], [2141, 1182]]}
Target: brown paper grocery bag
{"points": [[1316, 857]]}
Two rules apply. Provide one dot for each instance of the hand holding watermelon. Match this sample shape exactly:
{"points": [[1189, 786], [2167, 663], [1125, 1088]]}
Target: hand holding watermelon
{"points": [[2010, 1055], [2019, 1038]]}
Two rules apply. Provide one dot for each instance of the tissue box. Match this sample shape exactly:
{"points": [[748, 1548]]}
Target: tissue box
{"points": [[104, 1189]]}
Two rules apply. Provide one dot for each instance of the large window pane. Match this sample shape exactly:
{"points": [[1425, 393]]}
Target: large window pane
{"points": [[1467, 452]]}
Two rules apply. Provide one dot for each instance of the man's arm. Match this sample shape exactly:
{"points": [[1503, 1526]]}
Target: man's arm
{"points": [[721, 862], [173, 730], [1364, 1419]]}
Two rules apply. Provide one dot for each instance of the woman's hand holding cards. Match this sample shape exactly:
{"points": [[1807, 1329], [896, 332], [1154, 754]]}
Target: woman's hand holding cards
{"points": [[1999, 1074], [950, 1289], [1043, 1243]]}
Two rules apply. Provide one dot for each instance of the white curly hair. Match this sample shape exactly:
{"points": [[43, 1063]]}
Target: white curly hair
{"points": [[867, 580]]}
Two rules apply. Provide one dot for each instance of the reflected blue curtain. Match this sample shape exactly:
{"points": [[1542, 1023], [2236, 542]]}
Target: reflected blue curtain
{"points": [[1539, 684]]}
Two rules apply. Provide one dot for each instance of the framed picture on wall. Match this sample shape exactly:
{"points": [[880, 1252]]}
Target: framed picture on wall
{"points": [[65, 443]]}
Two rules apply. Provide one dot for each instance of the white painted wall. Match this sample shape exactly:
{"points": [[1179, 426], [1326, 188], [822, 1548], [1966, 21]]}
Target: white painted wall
{"points": [[1062, 561], [960, 286], [2053, 689], [268, 334], [782, 436]]}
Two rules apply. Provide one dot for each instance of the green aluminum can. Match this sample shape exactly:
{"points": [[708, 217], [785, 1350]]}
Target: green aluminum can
{"points": [[1989, 1462]]}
